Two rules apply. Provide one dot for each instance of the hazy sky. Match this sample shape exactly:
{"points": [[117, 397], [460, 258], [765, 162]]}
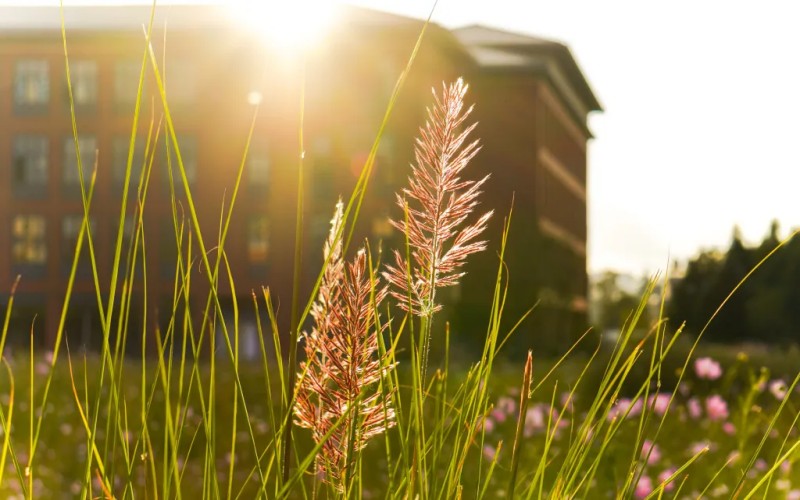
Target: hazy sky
{"points": [[700, 130]]}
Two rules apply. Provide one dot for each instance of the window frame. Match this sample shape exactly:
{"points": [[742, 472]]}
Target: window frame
{"points": [[19, 149], [32, 267], [24, 91], [70, 181], [76, 72]]}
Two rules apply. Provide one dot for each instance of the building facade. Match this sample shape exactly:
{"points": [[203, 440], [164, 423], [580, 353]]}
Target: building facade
{"points": [[532, 103]]}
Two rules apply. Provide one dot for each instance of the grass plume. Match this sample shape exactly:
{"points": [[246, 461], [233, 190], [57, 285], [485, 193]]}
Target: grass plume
{"points": [[438, 201], [337, 396]]}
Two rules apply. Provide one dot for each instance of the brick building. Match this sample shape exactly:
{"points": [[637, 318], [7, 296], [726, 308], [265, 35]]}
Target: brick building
{"points": [[532, 103]]}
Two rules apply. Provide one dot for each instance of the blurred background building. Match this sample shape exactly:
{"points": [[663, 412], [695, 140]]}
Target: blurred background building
{"points": [[532, 103]]}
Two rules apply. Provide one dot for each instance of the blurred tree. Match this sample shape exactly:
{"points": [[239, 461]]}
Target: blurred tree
{"points": [[612, 306], [730, 324], [689, 294], [765, 308]]}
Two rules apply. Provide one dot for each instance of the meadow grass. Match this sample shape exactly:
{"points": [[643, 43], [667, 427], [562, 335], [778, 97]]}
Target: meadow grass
{"points": [[354, 419]]}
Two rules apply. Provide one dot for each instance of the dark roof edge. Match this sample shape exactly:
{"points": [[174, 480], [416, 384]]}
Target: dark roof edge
{"points": [[559, 50]]}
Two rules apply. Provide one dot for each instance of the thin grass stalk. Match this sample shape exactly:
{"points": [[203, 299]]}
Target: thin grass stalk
{"points": [[29, 467], [6, 421], [268, 386], [612, 429], [274, 421], [784, 443], [659, 490], [92, 450], [5, 424], [766, 477], [85, 201], [105, 318], [524, 397], [767, 431], [7, 320], [716, 475], [236, 369], [68, 293], [169, 444], [476, 398], [443, 428], [202, 249], [352, 208], [573, 465], [496, 457], [294, 329], [286, 488]]}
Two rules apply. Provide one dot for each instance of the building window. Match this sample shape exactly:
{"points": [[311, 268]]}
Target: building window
{"points": [[70, 230], [83, 76], [188, 148], [180, 78], [31, 86], [30, 165], [126, 84], [120, 148], [258, 239], [258, 169], [29, 246], [88, 149]]}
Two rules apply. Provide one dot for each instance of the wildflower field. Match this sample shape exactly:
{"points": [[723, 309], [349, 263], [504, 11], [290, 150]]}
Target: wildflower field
{"points": [[718, 418], [359, 408]]}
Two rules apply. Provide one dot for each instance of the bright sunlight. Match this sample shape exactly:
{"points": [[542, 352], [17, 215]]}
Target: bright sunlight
{"points": [[288, 24]]}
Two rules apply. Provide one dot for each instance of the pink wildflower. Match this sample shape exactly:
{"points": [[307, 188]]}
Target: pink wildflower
{"points": [[778, 388], [664, 476], [507, 405], [534, 420], [659, 403], [793, 495], [716, 408], [728, 428], [567, 401], [499, 415], [707, 368], [694, 407], [644, 487], [488, 425], [623, 406], [699, 447], [650, 452], [489, 452]]}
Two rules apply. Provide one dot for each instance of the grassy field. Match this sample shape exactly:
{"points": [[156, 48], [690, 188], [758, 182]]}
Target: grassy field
{"points": [[720, 421]]}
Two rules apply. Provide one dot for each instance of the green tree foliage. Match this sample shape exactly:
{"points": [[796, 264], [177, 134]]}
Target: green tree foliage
{"points": [[766, 308], [612, 305]]}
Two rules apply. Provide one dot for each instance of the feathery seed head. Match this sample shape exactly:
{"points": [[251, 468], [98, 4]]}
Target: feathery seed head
{"points": [[336, 383], [437, 204]]}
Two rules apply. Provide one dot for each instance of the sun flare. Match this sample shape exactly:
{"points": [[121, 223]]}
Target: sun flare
{"points": [[288, 24]]}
